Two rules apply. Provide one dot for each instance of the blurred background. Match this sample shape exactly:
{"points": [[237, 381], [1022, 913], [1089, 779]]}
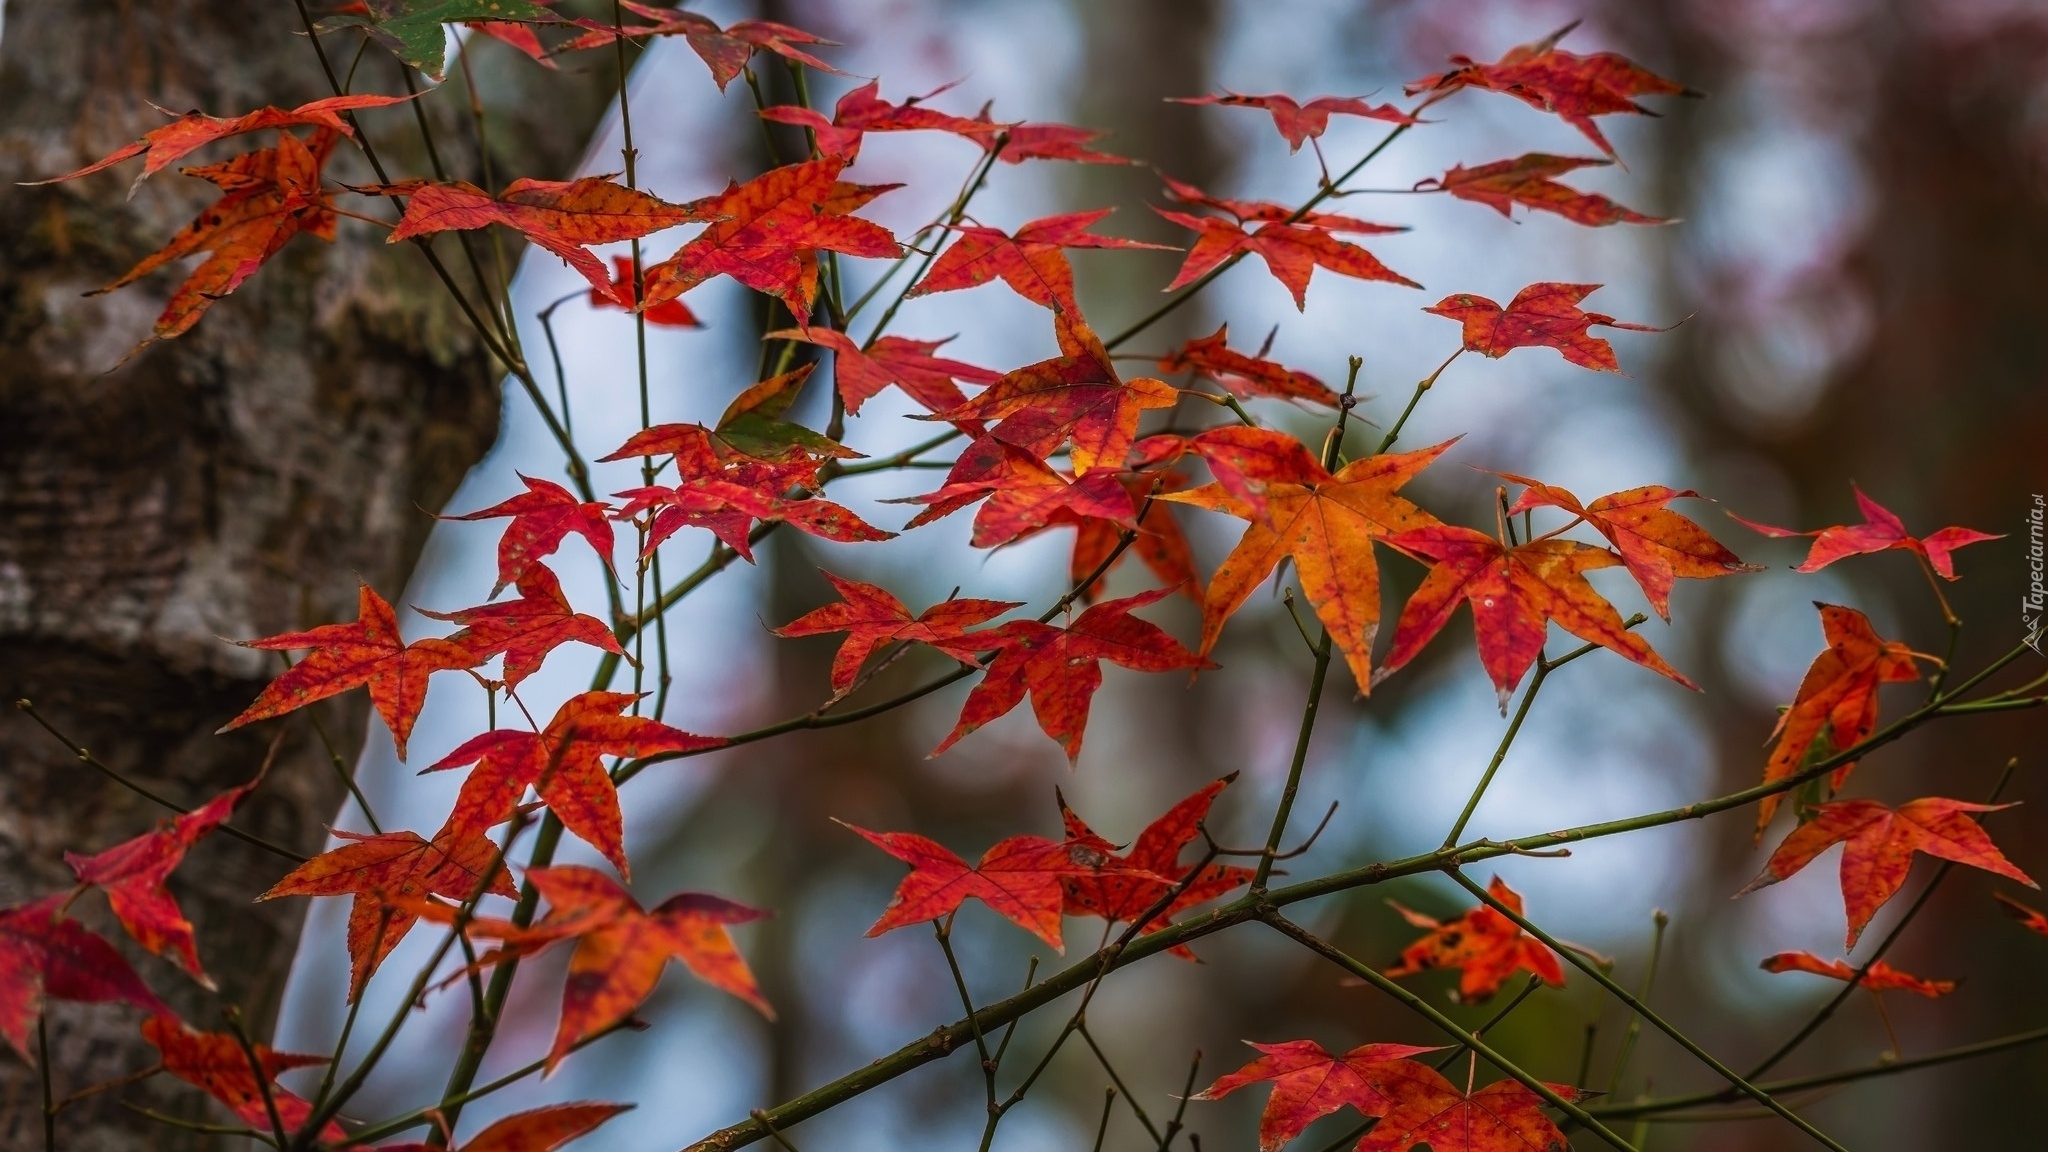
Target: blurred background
{"points": [[1859, 272]]}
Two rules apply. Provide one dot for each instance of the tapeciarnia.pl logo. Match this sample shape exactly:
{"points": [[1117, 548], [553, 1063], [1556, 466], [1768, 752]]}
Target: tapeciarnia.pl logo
{"points": [[2033, 604]]}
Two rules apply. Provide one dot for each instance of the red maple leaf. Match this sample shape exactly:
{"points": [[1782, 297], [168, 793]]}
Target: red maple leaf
{"points": [[46, 956], [1292, 252], [1125, 896], [1309, 1083], [1528, 181], [727, 496], [2029, 919], [1325, 521], [1076, 396], [863, 110], [872, 618], [1575, 88], [535, 1130], [132, 874], [1483, 945], [1041, 141], [527, 629], [1245, 376], [1062, 667], [1019, 877], [268, 197], [563, 763], [1159, 542], [1032, 260], [1514, 593], [1837, 698], [1025, 495], [162, 147], [667, 314], [860, 373], [622, 948], [1880, 531], [542, 517], [346, 656], [1657, 544], [726, 51], [1299, 122], [382, 872], [562, 216], [1504, 1116], [767, 236], [1540, 316], [1881, 842], [1881, 977], [217, 1064]]}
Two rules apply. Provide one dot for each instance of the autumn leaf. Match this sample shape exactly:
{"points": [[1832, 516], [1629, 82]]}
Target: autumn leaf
{"points": [[1032, 260], [382, 871], [1299, 122], [1881, 977], [1837, 698], [1159, 543], [2029, 919], [217, 1064], [1529, 181], [766, 236], [527, 629], [1019, 877], [1540, 316], [415, 30], [563, 216], [542, 517], [1504, 1116], [162, 147], [1126, 896], [563, 763], [753, 426], [1040, 141], [268, 197], [1880, 843], [1025, 495], [132, 874], [536, 1130], [861, 373], [1244, 376], [1292, 252], [1549, 79], [1515, 593], [1309, 1083], [346, 656], [519, 37], [1880, 531], [1656, 544], [619, 294], [46, 956], [1076, 396], [1484, 946], [863, 110], [1267, 211], [726, 51], [872, 618], [622, 948], [1326, 522], [1061, 667]]}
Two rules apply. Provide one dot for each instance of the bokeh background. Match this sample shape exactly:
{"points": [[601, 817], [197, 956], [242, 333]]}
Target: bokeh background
{"points": [[1859, 269]]}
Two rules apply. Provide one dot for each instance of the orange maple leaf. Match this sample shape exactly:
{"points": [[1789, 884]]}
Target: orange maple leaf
{"points": [[1657, 544], [1309, 1083], [1880, 531], [1515, 593], [346, 656], [1245, 376], [1504, 1116], [1125, 896], [217, 1064], [1881, 842], [1483, 945], [1881, 977]]}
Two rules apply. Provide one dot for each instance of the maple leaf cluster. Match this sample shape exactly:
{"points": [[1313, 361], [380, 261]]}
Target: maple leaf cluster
{"points": [[1068, 441]]}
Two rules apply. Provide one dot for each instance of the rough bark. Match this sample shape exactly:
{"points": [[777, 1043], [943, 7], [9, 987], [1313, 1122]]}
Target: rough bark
{"points": [[233, 483]]}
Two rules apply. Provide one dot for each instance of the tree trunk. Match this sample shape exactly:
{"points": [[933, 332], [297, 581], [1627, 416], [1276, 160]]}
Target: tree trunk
{"points": [[235, 482]]}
